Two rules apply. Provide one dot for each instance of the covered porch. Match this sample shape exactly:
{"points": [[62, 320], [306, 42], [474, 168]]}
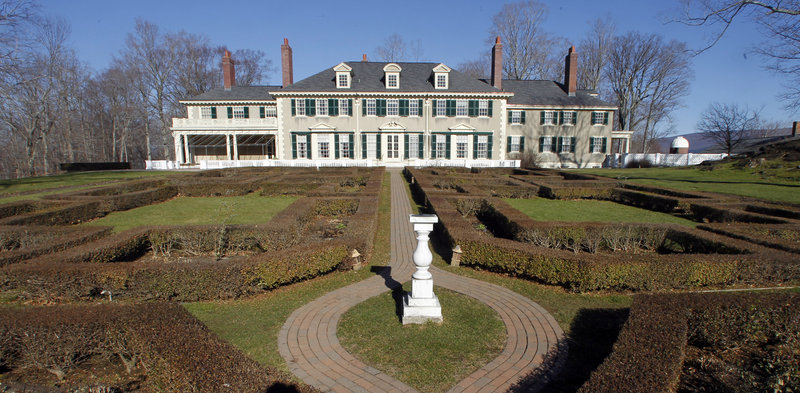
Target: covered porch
{"points": [[194, 148]]}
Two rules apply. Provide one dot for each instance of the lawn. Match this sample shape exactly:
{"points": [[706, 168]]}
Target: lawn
{"points": [[781, 186], [71, 179], [470, 336], [590, 210], [248, 209]]}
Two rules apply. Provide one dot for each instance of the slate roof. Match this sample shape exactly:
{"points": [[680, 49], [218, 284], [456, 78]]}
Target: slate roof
{"points": [[542, 92], [237, 93], [368, 77]]}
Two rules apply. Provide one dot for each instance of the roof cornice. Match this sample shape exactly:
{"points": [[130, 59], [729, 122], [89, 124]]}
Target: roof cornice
{"points": [[392, 94]]}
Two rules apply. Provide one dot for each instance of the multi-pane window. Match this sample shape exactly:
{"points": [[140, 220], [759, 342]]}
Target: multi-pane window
{"points": [[371, 107], [566, 144], [599, 118], [514, 145], [516, 117], [441, 108], [372, 146], [270, 111], [441, 81], [322, 107], [344, 148], [392, 107], [239, 112], [413, 146], [461, 107], [344, 107], [597, 145], [301, 108], [462, 143], [568, 118], [343, 80], [302, 146], [483, 108], [547, 144], [440, 146], [483, 146], [205, 112], [391, 81], [324, 146], [549, 118], [413, 108]]}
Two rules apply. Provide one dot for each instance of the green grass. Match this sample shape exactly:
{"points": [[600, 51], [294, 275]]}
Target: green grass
{"points": [[248, 209], [589, 210], [252, 325], [430, 357], [71, 179], [780, 186]]}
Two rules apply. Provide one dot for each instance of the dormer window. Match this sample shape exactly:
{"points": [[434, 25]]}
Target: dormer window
{"points": [[392, 76], [441, 76], [343, 76]]}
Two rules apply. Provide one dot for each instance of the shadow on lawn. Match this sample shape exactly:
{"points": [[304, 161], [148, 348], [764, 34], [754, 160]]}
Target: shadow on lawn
{"points": [[397, 288]]}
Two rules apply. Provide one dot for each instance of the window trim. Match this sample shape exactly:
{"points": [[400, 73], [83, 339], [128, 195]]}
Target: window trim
{"points": [[483, 106], [516, 117], [392, 103], [443, 78], [322, 107], [461, 108], [300, 107], [413, 107], [552, 120], [392, 76], [339, 76], [372, 105], [344, 107]]}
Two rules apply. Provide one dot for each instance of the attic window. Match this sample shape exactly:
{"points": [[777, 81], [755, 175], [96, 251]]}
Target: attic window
{"points": [[441, 81], [391, 81], [441, 75], [343, 80], [343, 76], [392, 75]]}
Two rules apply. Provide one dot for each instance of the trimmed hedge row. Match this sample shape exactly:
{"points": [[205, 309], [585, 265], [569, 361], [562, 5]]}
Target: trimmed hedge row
{"points": [[651, 349], [178, 353], [784, 237], [645, 200], [18, 244], [93, 166], [709, 212]]}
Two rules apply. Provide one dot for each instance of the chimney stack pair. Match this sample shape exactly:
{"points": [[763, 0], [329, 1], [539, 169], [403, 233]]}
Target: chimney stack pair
{"points": [[570, 68], [229, 69]]}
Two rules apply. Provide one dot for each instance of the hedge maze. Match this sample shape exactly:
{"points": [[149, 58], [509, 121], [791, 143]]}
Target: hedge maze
{"points": [[670, 342], [46, 259]]}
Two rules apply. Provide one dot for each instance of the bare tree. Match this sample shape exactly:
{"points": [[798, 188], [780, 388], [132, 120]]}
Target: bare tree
{"points": [[252, 67], [480, 68], [415, 51], [393, 49], [727, 124], [647, 78], [528, 51], [594, 51], [770, 128], [779, 21]]}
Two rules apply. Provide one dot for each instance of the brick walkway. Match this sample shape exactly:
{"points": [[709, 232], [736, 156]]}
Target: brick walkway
{"points": [[309, 344]]}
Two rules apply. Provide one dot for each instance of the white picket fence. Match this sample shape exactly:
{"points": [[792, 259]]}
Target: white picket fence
{"points": [[221, 164], [659, 159]]}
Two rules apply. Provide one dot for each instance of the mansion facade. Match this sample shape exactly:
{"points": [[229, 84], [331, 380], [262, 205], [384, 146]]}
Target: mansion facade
{"points": [[396, 114]]}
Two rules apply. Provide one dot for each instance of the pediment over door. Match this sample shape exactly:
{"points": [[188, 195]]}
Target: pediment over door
{"points": [[392, 126], [462, 128], [322, 127]]}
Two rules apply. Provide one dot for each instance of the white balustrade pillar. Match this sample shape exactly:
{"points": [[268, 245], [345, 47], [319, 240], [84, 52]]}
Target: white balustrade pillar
{"points": [[422, 305]]}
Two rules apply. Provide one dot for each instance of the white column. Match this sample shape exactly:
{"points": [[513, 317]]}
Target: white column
{"points": [[228, 146], [235, 148], [422, 305], [185, 154], [178, 155]]}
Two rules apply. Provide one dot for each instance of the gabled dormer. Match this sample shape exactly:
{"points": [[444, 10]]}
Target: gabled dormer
{"points": [[392, 76], [441, 77], [343, 76]]}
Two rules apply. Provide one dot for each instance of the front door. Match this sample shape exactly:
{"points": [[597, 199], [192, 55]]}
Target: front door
{"points": [[393, 148]]}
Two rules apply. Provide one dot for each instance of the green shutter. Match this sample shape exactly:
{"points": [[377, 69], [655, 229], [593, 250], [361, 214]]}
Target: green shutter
{"points": [[509, 117], [605, 118], [508, 144], [351, 146], [575, 118], [541, 144], [572, 145], [474, 146], [311, 108], [405, 151], [364, 146], [350, 108], [522, 117], [294, 110], [380, 107], [404, 107], [378, 147], [558, 144], [447, 147], [491, 105], [336, 145], [433, 146], [420, 139], [333, 107], [247, 112], [230, 112], [521, 144], [560, 115], [261, 113], [213, 112], [363, 107], [294, 145], [419, 111], [604, 145], [472, 108], [541, 118], [489, 146], [433, 102], [451, 108]]}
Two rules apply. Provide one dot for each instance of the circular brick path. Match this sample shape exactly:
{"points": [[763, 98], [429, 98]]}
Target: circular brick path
{"points": [[312, 351]]}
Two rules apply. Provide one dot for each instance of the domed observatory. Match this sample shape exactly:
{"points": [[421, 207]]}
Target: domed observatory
{"points": [[680, 145]]}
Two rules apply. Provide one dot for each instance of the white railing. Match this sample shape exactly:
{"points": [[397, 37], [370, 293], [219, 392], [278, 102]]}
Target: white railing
{"points": [[179, 124], [659, 159], [220, 164]]}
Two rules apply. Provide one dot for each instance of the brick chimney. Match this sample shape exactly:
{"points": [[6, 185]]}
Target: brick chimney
{"points": [[286, 63], [795, 126], [228, 71], [571, 71], [364, 58], [497, 64]]}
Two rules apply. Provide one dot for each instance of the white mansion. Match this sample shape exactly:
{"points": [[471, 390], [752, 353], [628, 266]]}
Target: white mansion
{"points": [[394, 114]]}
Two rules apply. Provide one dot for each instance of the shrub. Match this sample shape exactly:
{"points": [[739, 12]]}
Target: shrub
{"points": [[642, 163], [336, 207], [93, 166]]}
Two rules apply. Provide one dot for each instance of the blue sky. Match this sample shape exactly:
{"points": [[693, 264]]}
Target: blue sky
{"points": [[324, 33]]}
